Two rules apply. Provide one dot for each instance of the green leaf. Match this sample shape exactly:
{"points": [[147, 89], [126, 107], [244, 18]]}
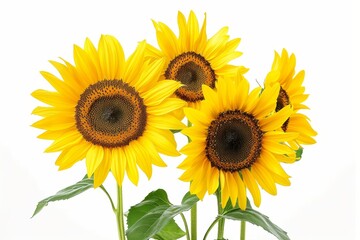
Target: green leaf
{"points": [[299, 153], [66, 193], [154, 217], [257, 218], [170, 231]]}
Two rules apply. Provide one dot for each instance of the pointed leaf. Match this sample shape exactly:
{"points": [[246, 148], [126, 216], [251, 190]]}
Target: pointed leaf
{"points": [[66, 193], [257, 218]]}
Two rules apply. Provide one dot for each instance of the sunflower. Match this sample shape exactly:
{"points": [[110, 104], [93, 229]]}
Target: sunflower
{"points": [[110, 111], [235, 142], [192, 58], [291, 93]]}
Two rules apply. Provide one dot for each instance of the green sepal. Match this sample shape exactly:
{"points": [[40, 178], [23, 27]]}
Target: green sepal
{"points": [[175, 131], [66, 193], [154, 217], [299, 153]]}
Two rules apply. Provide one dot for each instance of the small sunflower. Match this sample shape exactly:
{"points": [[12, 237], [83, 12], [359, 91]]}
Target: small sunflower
{"points": [[192, 58], [110, 111], [291, 93], [235, 142]]}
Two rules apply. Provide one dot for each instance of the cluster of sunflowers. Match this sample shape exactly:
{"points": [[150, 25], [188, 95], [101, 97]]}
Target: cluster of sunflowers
{"points": [[120, 113]]}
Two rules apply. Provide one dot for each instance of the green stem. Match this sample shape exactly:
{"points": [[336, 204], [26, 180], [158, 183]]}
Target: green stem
{"points": [[186, 226], [120, 214], [193, 218], [221, 223], [193, 211], [110, 199], [211, 226], [242, 233]]}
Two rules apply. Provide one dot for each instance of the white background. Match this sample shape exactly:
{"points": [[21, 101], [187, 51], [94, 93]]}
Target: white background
{"points": [[320, 204]]}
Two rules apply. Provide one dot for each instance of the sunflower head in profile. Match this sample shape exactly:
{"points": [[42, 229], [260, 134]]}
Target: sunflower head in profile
{"points": [[115, 113], [236, 142], [192, 58], [291, 93]]}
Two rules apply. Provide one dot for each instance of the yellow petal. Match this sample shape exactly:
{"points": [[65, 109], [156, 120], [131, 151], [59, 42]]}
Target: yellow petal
{"points": [[276, 120], [195, 133], [233, 188], [108, 58], [52, 135], [131, 169], [60, 85], [222, 180], [225, 192], [68, 139], [165, 122], [161, 91], [150, 75], [193, 29], [183, 33], [251, 184], [103, 169], [241, 191], [200, 43], [55, 123], [143, 160], [163, 140], [269, 161], [278, 148], [264, 178], [70, 156], [193, 148], [52, 98], [267, 101], [93, 54], [213, 179], [196, 117], [167, 40], [134, 62], [85, 66], [252, 100], [93, 159], [167, 106], [118, 165], [191, 160], [278, 136], [152, 153]]}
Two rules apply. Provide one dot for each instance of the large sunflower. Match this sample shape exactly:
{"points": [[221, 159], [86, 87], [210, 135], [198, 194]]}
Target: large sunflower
{"points": [[110, 111], [235, 142], [192, 58], [291, 93]]}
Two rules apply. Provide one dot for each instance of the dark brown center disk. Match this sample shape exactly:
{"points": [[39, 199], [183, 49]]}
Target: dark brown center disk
{"points": [[110, 113], [193, 70], [282, 101], [234, 141]]}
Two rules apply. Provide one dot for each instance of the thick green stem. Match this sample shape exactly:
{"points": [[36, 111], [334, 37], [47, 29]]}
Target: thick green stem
{"points": [[193, 218], [120, 214], [242, 233], [221, 223], [186, 226]]}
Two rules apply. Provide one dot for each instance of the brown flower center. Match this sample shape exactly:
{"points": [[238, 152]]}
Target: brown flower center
{"points": [[110, 113], [193, 70], [234, 141], [282, 101]]}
